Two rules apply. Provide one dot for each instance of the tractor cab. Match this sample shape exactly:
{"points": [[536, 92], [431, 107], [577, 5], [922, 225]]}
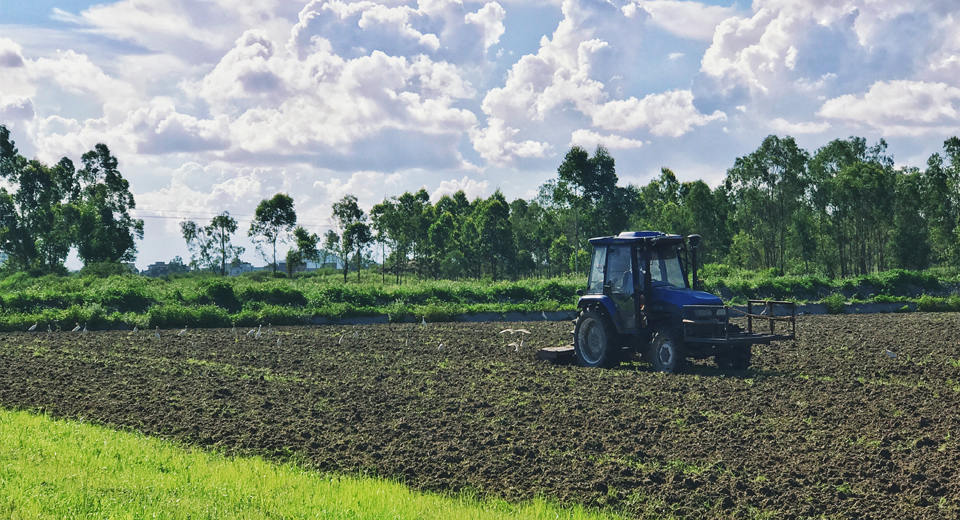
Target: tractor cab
{"points": [[640, 274]]}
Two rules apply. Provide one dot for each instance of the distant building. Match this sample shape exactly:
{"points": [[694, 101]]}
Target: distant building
{"points": [[156, 270], [332, 263], [243, 267]]}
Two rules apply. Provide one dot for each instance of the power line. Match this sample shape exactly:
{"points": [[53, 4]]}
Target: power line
{"points": [[188, 215], [180, 213]]}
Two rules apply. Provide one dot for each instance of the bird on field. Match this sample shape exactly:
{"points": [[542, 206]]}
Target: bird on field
{"points": [[33, 327], [251, 332], [515, 345], [135, 329], [511, 331], [77, 328], [183, 332], [340, 342], [278, 342], [157, 333], [269, 328], [440, 347], [234, 330], [356, 334], [423, 323], [891, 355], [257, 336], [84, 331], [49, 329], [544, 314]]}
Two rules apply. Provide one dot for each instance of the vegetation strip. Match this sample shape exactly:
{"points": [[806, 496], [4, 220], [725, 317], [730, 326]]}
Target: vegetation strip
{"points": [[124, 302], [60, 469]]}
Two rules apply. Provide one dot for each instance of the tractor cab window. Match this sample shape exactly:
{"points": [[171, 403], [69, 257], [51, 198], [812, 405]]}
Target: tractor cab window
{"points": [[619, 270], [597, 267], [665, 268]]}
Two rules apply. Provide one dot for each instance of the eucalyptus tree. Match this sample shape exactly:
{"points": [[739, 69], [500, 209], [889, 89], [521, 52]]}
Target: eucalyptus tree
{"points": [[355, 234], [273, 222], [768, 186], [910, 239], [852, 191], [105, 230], [497, 244], [55, 208], [210, 245]]}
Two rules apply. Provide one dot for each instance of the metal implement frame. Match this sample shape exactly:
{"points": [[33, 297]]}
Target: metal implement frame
{"points": [[716, 329]]}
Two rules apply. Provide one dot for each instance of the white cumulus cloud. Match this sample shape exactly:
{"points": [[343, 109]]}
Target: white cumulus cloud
{"points": [[781, 125], [685, 18], [470, 187], [564, 77], [588, 139], [670, 113], [900, 107]]}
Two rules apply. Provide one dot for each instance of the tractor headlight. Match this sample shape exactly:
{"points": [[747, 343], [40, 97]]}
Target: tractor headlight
{"points": [[721, 312], [704, 313]]}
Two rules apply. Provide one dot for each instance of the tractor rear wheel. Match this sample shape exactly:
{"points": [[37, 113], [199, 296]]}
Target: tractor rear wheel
{"points": [[666, 351], [595, 341]]}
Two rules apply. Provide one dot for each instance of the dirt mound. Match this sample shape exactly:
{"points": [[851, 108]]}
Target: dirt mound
{"points": [[831, 424]]}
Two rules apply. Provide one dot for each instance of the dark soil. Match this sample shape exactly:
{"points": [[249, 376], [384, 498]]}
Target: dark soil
{"points": [[827, 425]]}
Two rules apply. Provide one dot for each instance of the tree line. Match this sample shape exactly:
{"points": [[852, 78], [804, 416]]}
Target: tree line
{"points": [[842, 210]]}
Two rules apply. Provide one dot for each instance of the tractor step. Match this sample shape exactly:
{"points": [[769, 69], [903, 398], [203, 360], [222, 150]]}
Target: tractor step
{"points": [[556, 355]]}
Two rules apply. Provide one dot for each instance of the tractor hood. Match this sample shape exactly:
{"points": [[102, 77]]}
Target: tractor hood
{"points": [[681, 297]]}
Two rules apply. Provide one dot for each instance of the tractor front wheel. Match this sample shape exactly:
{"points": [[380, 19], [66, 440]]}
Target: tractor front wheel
{"points": [[666, 351], [595, 340]]}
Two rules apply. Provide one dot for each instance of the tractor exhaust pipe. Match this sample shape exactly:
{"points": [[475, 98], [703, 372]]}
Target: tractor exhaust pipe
{"points": [[694, 241]]}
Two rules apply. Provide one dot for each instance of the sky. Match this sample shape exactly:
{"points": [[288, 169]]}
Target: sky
{"points": [[215, 105]]}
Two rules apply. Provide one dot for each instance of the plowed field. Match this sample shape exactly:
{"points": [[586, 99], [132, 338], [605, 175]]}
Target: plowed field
{"points": [[831, 424]]}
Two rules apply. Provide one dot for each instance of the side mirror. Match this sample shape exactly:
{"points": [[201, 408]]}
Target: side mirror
{"points": [[607, 289], [581, 292]]}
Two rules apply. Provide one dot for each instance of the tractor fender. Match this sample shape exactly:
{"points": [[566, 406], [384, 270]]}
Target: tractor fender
{"points": [[604, 301]]}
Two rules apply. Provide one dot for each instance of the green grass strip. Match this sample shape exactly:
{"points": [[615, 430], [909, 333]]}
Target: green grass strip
{"points": [[69, 469]]}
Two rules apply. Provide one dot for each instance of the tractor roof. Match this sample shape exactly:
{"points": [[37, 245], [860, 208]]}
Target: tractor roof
{"points": [[647, 239]]}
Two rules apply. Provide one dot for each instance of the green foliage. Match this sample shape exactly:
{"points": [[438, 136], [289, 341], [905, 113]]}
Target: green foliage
{"points": [[928, 303], [275, 294], [834, 303], [220, 293], [212, 301], [104, 269], [896, 283]]}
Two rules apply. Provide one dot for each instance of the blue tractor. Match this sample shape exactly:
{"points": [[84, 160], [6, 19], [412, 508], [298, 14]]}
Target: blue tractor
{"points": [[639, 298]]}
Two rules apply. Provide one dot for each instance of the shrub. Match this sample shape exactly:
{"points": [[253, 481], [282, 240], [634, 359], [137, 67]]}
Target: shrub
{"points": [[105, 270], [834, 303], [219, 292]]}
